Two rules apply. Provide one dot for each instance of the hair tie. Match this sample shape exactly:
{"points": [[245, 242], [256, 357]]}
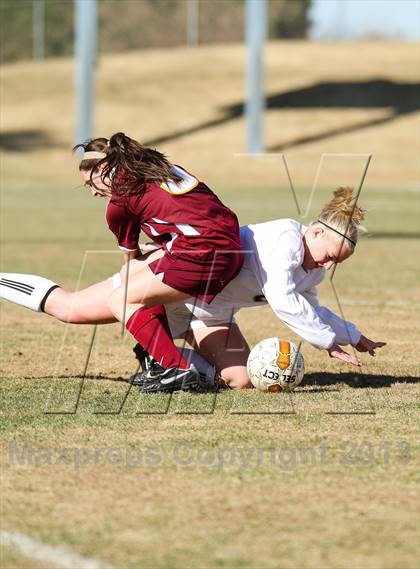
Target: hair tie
{"points": [[91, 155]]}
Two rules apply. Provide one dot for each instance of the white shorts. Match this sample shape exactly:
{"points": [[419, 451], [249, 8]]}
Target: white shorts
{"points": [[183, 316], [192, 314]]}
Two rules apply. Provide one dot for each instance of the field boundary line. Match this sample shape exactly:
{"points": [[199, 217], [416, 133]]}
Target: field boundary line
{"points": [[60, 556]]}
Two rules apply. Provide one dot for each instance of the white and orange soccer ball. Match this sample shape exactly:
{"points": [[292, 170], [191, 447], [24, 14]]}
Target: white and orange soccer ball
{"points": [[275, 365]]}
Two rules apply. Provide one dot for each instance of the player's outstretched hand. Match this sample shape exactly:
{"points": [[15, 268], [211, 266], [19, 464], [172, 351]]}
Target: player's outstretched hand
{"points": [[336, 352], [366, 345]]}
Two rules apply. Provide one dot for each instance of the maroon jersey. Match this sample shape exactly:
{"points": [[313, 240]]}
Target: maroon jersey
{"points": [[187, 219]]}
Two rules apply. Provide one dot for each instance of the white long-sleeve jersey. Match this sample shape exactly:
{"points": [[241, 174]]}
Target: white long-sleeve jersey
{"points": [[272, 273]]}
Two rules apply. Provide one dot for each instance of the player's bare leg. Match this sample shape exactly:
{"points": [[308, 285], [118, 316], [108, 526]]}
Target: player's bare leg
{"points": [[145, 289], [90, 305], [227, 350], [86, 306]]}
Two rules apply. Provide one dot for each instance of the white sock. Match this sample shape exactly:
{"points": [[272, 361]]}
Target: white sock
{"points": [[200, 363], [30, 291]]}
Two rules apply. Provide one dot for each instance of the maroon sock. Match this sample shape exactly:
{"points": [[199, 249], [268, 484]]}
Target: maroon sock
{"points": [[150, 327]]}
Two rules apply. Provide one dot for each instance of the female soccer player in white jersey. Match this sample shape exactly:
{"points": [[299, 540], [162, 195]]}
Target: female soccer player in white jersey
{"points": [[284, 261]]}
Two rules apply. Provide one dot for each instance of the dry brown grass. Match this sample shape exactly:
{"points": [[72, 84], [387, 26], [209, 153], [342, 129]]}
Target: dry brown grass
{"points": [[344, 510], [311, 514], [12, 560]]}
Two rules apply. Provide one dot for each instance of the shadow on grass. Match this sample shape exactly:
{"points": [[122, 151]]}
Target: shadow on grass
{"points": [[25, 140], [356, 381], [90, 377], [315, 380], [397, 99]]}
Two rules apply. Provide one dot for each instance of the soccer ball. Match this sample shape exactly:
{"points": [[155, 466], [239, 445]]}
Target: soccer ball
{"points": [[275, 365]]}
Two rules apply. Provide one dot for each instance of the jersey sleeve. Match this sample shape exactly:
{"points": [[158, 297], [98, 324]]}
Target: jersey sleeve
{"points": [[276, 278], [345, 332], [124, 225]]}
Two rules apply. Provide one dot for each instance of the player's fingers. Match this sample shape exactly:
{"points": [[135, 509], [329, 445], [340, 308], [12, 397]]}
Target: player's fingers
{"points": [[354, 361], [345, 357], [377, 345], [371, 345], [374, 346]]}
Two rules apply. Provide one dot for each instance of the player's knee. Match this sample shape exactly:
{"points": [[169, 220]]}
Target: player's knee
{"points": [[115, 302], [242, 383], [131, 267], [236, 379]]}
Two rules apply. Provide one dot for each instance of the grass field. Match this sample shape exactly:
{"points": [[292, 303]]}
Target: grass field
{"points": [[326, 477]]}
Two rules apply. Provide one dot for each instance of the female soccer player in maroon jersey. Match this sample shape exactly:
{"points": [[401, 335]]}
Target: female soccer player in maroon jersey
{"points": [[199, 234]]}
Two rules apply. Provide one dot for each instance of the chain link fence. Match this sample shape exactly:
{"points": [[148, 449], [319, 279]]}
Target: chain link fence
{"points": [[45, 28]]}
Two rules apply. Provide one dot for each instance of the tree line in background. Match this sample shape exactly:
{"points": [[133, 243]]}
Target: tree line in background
{"points": [[137, 24]]}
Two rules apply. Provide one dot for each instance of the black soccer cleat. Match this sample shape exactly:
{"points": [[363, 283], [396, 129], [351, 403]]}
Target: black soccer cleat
{"points": [[137, 378], [147, 362], [160, 380], [143, 357]]}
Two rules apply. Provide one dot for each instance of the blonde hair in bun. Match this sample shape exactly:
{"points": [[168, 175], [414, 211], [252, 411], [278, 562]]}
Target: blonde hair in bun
{"points": [[343, 215]]}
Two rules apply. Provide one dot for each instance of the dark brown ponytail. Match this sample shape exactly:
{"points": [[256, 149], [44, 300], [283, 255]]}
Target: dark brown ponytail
{"points": [[126, 163]]}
